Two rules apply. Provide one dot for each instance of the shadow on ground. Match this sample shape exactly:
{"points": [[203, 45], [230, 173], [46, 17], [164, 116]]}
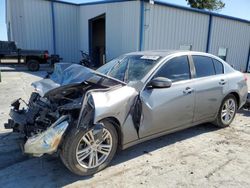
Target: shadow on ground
{"points": [[48, 171], [244, 112]]}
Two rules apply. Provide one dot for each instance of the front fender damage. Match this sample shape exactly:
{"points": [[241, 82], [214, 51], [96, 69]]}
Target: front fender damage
{"points": [[96, 105], [123, 104], [114, 103], [61, 101]]}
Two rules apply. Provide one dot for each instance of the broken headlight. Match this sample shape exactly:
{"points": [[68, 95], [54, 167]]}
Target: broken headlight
{"points": [[48, 141]]}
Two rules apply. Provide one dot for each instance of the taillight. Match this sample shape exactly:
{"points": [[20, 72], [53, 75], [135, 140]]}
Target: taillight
{"points": [[46, 55], [245, 77]]}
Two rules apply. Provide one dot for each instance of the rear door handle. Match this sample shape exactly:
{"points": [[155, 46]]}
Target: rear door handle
{"points": [[222, 82], [188, 90]]}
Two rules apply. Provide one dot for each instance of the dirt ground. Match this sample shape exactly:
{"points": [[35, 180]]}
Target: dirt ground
{"points": [[200, 156]]}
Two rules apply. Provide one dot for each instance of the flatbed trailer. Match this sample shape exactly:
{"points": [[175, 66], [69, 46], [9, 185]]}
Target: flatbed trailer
{"points": [[9, 53]]}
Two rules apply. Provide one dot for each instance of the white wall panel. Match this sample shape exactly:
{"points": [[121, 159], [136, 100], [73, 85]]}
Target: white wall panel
{"points": [[67, 31], [30, 22], [8, 19], [15, 10], [122, 26], [168, 28], [233, 35], [38, 25]]}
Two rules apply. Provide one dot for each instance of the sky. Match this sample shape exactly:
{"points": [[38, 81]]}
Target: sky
{"points": [[235, 8]]}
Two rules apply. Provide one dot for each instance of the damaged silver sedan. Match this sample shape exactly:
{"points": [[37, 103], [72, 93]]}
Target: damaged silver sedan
{"points": [[86, 115]]}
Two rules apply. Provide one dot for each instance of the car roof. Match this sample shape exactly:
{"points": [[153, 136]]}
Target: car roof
{"points": [[165, 53]]}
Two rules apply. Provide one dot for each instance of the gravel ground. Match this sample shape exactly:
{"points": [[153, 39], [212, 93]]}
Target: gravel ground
{"points": [[200, 156]]}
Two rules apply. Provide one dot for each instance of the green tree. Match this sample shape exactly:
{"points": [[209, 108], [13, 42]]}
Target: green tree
{"points": [[206, 4]]}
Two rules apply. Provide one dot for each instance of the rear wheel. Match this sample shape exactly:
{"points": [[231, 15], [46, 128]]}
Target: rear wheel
{"points": [[33, 65], [227, 111], [87, 152]]}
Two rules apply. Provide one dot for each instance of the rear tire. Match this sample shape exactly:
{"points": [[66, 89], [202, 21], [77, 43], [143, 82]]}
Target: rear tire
{"points": [[227, 111], [33, 65], [76, 154]]}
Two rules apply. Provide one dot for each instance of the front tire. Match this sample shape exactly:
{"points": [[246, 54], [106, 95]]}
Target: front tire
{"points": [[86, 152], [227, 111]]}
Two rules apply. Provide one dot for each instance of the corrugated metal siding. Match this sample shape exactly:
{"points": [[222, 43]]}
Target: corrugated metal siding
{"points": [[67, 31], [233, 35], [8, 20], [30, 23], [168, 28], [38, 25], [31, 27], [122, 26], [17, 20], [164, 28]]}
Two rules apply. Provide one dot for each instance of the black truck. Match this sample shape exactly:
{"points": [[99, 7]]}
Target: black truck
{"points": [[9, 53]]}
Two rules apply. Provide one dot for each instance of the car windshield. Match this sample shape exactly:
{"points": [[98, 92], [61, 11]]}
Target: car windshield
{"points": [[129, 68]]}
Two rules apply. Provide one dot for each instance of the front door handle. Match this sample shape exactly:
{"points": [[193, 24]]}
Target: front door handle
{"points": [[188, 90], [222, 82]]}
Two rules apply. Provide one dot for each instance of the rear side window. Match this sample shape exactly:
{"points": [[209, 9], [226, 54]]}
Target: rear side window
{"points": [[175, 69], [203, 66], [219, 69]]}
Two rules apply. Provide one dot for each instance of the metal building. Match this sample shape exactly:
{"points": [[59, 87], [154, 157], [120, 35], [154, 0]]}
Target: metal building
{"points": [[110, 28]]}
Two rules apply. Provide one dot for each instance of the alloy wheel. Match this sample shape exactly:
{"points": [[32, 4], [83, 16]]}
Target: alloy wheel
{"points": [[94, 148], [228, 111]]}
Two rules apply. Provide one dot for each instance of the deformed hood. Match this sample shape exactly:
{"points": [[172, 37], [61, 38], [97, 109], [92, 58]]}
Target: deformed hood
{"points": [[68, 73]]}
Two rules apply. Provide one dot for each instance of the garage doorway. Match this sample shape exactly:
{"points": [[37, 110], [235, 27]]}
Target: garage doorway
{"points": [[97, 40]]}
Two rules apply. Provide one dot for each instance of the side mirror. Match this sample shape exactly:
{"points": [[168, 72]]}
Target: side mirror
{"points": [[160, 82]]}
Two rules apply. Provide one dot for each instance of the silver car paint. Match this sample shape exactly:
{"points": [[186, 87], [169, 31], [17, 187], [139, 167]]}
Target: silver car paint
{"points": [[208, 96], [167, 110], [174, 112], [237, 83], [175, 108], [45, 85], [114, 103]]}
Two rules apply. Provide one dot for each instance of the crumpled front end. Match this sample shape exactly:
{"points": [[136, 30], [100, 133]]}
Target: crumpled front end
{"points": [[55, 107], [42, 124]]}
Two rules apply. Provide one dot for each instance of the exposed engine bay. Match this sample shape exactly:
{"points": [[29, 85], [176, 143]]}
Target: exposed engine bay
{"points": [[59, 101], [42, 112]]}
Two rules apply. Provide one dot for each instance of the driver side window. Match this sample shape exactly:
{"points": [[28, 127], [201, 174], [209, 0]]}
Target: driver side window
{"points": [[175, 69]]}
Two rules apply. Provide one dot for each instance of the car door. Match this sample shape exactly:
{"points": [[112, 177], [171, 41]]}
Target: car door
{"points": [[170, 108], [210, 83]]}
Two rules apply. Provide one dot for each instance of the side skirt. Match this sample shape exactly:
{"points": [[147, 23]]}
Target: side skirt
{"points": [[138, 141]]}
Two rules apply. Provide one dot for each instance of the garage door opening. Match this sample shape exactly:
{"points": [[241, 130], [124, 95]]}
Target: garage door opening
{"points": [[97, 40]]}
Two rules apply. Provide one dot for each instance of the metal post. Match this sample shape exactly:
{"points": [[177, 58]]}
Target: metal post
{"points": [[209, 32], [141, 37]]}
